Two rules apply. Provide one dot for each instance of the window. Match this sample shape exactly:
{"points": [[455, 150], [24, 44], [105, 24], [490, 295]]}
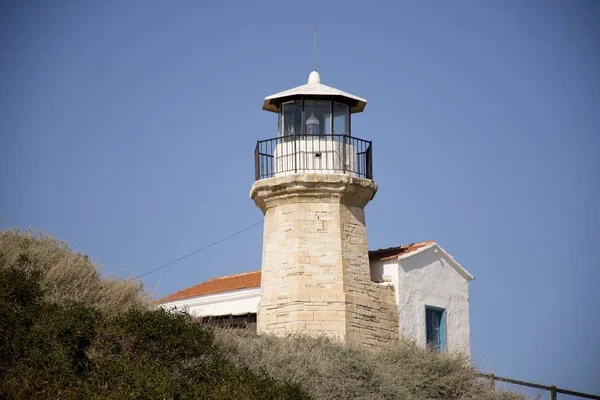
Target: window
{"points": [[314, 117], [435, 327], [292, 118], [341, 119], [317, 115]]}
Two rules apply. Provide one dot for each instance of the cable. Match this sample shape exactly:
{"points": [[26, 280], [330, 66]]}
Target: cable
{"points": [[199, 250]]}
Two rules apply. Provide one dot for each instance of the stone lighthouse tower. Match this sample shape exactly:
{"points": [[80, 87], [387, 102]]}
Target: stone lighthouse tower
{"points": [[313, 182]]}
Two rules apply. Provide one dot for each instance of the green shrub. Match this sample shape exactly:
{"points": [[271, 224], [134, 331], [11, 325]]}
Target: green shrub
{"points": [[71, 351], [20, 307]]}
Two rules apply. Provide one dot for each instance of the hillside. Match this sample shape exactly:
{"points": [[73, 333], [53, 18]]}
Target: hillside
{"points": [[68, 332]]}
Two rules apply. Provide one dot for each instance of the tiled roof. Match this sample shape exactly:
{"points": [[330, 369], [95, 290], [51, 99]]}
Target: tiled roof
{"points": [[227, 283], [392, 253], [249, 280]]}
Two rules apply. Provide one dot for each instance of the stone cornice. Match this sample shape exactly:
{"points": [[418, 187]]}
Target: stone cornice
{"points": [[350, 190]]}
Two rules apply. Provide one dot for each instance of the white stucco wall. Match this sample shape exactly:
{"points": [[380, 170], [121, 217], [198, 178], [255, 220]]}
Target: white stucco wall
{"points": [[430, 278], [236, 302], [385, 272]]}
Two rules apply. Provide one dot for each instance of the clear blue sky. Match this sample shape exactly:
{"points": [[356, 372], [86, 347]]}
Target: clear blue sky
{"points": [[128, 129]]}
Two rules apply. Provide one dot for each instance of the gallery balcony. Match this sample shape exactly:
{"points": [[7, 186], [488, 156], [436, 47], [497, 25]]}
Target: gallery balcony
{"points": [[313, 154]]}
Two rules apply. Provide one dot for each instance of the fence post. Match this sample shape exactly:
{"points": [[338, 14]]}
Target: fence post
{"points": [[256, 169], [553, 392], [369, 161], [344, 147], [295, 154], [492, 382]]}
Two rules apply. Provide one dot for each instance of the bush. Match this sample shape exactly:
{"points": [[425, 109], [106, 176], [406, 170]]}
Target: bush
{"points": [[72, 351], [69, 275], [329, 370]]}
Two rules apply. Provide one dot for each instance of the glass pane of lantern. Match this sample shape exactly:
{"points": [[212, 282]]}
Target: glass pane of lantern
{"points": [[341, 119], [292, 118], [318, 117]]}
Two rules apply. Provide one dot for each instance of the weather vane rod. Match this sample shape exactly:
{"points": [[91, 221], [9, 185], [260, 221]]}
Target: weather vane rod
{"points": [[315, 30]]}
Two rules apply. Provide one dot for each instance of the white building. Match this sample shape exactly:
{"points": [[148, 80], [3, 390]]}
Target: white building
{"points": [[317, 277], [424, 277]]}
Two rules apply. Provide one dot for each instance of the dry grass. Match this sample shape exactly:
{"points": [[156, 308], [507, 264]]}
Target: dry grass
{"points": [[328, 370], [324, 369], [69, 275]]}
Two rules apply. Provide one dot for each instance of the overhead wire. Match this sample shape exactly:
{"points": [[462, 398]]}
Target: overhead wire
{"points": [[199, 250]]}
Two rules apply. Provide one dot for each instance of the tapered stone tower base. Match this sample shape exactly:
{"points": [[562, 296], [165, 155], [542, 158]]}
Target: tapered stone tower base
{"points": [[315, 265]]}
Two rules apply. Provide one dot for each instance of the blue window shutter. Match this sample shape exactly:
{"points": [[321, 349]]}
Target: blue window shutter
{"points": [[435, 327], [443, 331]]}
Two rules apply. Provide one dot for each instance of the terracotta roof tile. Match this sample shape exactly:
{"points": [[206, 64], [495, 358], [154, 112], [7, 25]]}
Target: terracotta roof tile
{"points": [[227, 283], [395, 252], [250, 280]]}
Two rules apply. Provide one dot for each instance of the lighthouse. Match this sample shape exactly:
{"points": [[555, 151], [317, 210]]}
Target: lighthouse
{"points": [[317, 278], [312, 182]]}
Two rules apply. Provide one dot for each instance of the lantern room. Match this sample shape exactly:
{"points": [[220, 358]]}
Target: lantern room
{"points": [[314, 133]]}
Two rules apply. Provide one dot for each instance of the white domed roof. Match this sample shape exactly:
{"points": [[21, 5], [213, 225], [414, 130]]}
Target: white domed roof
{"points": [[314, 77]]}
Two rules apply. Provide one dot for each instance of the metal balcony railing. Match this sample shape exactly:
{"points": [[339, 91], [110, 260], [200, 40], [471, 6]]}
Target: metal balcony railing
{"points": [[325, 154]]}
